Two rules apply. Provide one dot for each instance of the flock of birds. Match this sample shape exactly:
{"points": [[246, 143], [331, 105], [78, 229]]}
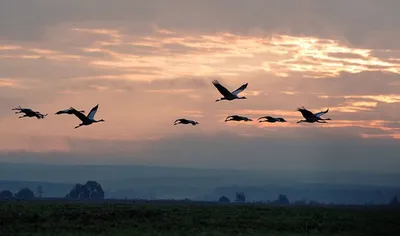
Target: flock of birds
{"points": [[86, 119], [309, 116]]}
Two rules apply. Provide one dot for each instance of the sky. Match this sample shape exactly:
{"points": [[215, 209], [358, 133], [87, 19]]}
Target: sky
{"points": [[148, 63]]}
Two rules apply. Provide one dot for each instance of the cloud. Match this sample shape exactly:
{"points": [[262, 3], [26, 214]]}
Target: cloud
{"points": [[8, 83], [280, 55], [362, 23], [223, 53]]}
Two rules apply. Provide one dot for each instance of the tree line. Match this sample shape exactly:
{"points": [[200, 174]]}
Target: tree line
{"points": [[282, 199], [89, 190], [92, 190]]}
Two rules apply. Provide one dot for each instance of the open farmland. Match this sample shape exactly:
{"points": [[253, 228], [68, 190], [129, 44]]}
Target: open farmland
{"points": [[61, 218]]}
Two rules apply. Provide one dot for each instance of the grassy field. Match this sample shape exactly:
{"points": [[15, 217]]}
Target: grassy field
{"points": [[81, 219]]}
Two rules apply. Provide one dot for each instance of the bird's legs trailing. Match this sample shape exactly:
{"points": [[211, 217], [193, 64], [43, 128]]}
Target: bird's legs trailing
{"points": [[23, 116], [177, 122]]}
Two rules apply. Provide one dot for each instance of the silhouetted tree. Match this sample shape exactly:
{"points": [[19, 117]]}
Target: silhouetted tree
{"points": [[39, 191], [224, 199], [95, 190], [77, 192], [6, 195], [24, 194], [90, 190], [240, 197], [282, 200]]}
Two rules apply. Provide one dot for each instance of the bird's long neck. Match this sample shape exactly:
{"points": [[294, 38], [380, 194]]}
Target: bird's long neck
{"points": [[300, 121], [220, 99], [241, 97]]}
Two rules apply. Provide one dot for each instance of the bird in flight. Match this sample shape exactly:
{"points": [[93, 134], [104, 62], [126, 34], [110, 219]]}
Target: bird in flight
{"points": [[28, 112], [229, 95], [185, 122], [67, 111], [311, 117], [237, 118], [86, 120], [271, 119]]}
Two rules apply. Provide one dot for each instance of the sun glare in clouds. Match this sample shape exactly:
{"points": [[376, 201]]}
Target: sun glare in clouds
{"points": [[165, 54], [176, 54]]}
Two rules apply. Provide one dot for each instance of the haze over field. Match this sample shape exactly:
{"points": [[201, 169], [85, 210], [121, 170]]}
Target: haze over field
{"points": [[148, 63]]}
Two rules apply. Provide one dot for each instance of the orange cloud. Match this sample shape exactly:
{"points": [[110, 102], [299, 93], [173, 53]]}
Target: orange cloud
{"points": [[170, 91], [231, 55], [175, 54], [8, 83], [388, 98], [9, 47]]}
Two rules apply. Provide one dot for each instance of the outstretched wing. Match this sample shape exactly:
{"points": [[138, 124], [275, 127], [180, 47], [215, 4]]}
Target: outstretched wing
{"points": [[265, 117], [93, 112], [63, 111], [17, 108], [319, 114], [78, 114], [306, 113], [225, 92], [240, 89]]}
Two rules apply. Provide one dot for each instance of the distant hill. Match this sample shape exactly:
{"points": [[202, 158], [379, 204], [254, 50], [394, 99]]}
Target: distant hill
{"points": [[180, 182]]}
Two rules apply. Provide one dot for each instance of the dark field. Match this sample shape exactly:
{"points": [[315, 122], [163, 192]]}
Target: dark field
{"points": [[41, 218]]}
